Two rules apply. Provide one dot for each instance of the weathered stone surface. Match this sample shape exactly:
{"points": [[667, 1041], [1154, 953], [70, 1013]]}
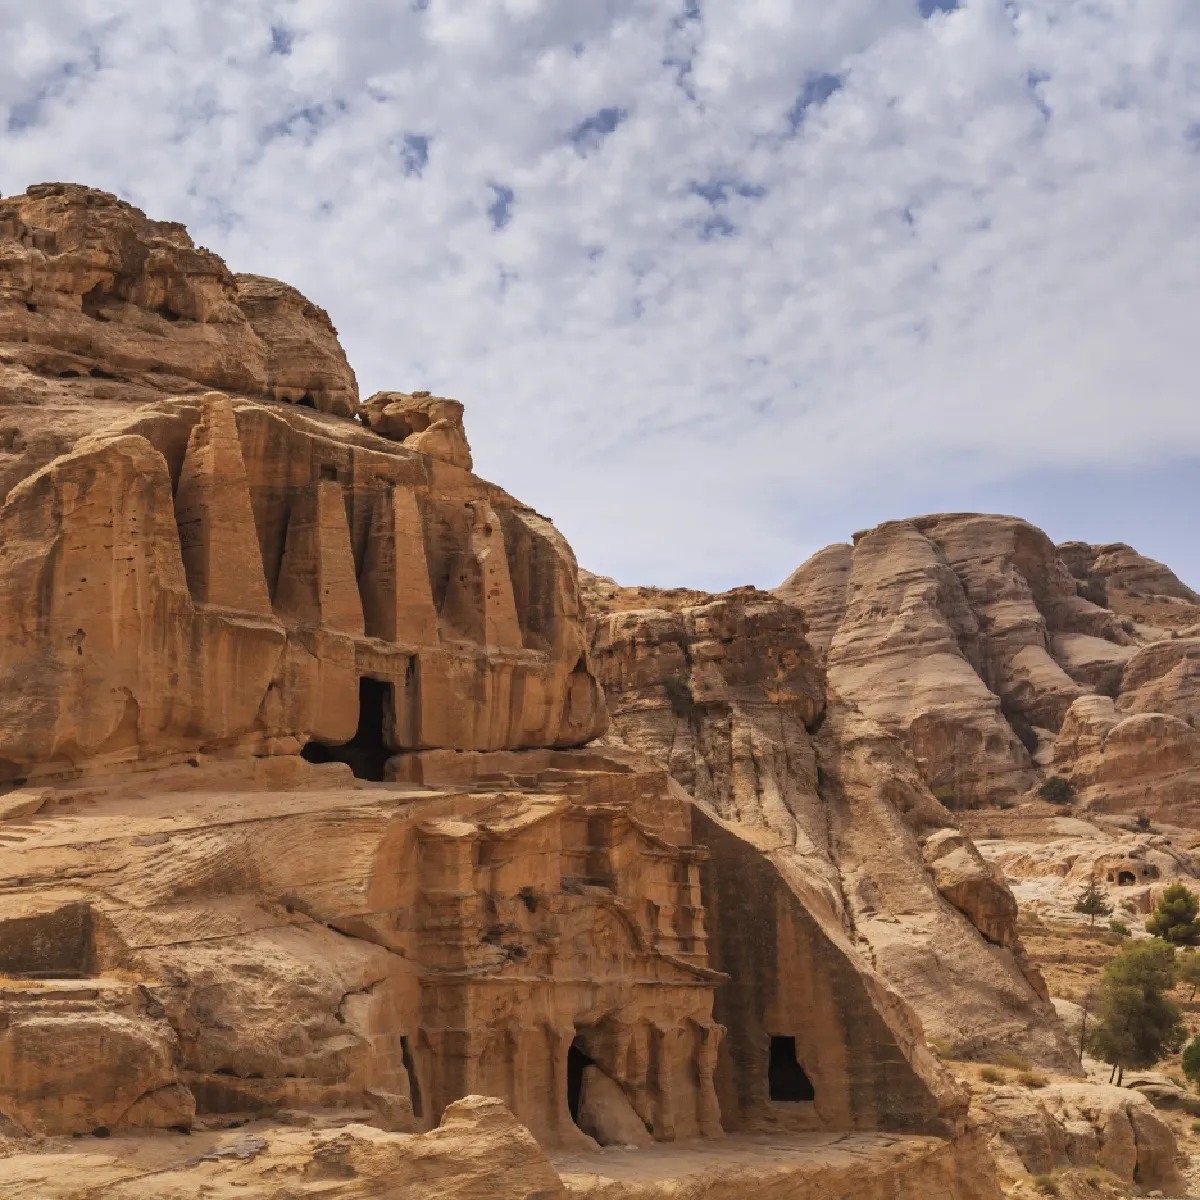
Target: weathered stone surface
{"points": [[479, 1149], [297, 703], [605, 1113], [1131, 584], [430, 424], [723, 692], [1079, 1125]]}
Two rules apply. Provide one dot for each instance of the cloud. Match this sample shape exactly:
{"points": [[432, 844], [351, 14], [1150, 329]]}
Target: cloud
{"points": [[704, 275]]}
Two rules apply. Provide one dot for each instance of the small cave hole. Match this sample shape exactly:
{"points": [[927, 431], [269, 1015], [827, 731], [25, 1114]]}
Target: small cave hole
{"points": [[529, 898], [577, 1060], [30, 306], [366, 753], [101, 1131], [1126, 878], [414, 1087], [307, 401], [785, 1076], [329, 472]]}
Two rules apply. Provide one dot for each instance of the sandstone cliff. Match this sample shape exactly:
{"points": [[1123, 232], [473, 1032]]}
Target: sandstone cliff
{"points": [[728, 694], [303, 818], [995, 657]]}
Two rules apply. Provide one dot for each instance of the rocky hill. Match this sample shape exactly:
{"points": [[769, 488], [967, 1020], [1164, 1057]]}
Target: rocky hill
{"points": [[347, 828], [310, 845]]}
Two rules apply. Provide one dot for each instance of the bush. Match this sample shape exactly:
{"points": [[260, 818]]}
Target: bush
{"points": [[995, 835], [1187, 971], [1191, 1060], [1046, 1185], [1017, 1062], [1057, 789], [1174, 919], [991, 1075], [1032, 1079], [1120, 928], [1142, 823], [1127, 625], [1196, 1126], [941, 1048]]}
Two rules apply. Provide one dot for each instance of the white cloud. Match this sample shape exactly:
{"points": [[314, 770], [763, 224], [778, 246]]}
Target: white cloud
{"points": [[971, 254]]}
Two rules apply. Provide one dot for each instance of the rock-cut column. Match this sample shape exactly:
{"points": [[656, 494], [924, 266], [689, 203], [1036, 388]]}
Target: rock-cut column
{"points": [[396, 596], [217, 535], [317, 585]]}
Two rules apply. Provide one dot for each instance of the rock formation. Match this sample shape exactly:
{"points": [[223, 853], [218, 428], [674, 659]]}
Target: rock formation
{"points": [[996, 658], [728, 694], [302, 810]]}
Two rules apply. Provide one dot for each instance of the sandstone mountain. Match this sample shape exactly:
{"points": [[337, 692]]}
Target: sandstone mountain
{"points": [[307, 818]]}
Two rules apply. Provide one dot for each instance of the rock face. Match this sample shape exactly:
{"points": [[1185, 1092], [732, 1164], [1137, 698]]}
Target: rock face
{"points": [[296, 813], [1082, 1125], [992, 653], [728, 694]]}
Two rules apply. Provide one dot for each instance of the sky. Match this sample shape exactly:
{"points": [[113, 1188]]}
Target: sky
{"points": [[718, 281]]}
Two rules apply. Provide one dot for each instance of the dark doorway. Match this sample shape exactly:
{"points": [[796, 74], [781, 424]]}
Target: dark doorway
{"points": [[367, 752], [1126, 878], [785, 1075], [577, 1059]]}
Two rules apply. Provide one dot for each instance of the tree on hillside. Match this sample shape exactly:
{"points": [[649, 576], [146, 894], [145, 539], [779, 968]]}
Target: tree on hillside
{"points": [[1091, 902], [1187, 970], [1191, 1060], [1174, 919], [1134, 1022]]}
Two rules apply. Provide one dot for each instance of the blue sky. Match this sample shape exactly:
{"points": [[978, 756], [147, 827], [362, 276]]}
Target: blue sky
{"points": [[718, 283]]}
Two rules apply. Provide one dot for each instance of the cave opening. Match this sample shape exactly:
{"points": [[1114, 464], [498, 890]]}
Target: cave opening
{"points": [[367, 752], [1126, 878], [577, 1061], [414, 1087], [786, 1078]]}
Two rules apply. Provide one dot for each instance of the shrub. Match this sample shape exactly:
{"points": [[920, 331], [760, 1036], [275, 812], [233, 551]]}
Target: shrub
{"points": [[1127, 625], [1032, 1079], [995, 834], [941, 1048], [1057, 789], [1196, 1126], [1120, 928], [992, 1075], [1017, 1062], [1174, 919], [1046, 1185], [1142, 823], [1191, 1060]]}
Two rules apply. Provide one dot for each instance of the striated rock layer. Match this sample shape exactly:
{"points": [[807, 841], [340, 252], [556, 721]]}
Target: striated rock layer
{"points": [[296, 814], [728, 694]]}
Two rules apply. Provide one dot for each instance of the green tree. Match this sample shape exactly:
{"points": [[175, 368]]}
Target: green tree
{"points": [[1191, 1060], [1134, 1022], [1174, 919], [1091, 902], [1187, 970], [1057, 789]]}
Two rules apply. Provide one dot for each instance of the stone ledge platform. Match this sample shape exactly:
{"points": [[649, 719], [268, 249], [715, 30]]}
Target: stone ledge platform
{"points": [[807, 1166]]}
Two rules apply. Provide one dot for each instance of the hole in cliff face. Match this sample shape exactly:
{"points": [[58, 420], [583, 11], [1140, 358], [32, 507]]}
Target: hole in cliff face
{"points": [[414, 1087], [1126, 878], [58, 944], [307, 401], [366, 752], [785, 1076], [93, 301], [577, 1061]]}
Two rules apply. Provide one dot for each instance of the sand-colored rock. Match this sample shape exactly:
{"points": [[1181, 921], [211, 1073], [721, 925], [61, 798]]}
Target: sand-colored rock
{"points": [[723, 692], [299, 822], [1135, 587], [478, 1149], [430, 424], [1164, 677], [1080, 1125], [605, 1113]]}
